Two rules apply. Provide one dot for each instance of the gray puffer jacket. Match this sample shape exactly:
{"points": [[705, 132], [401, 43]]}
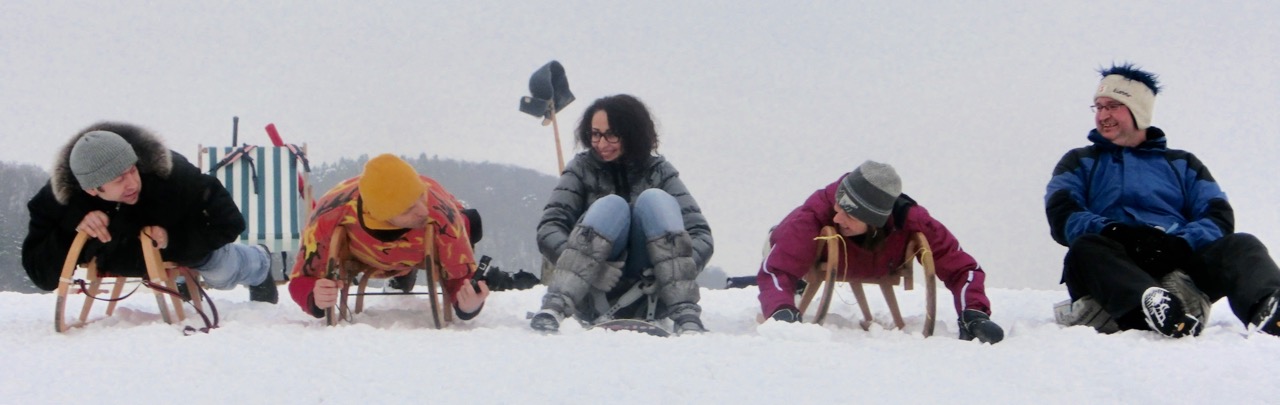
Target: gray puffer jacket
{"points": [[587, 178]]}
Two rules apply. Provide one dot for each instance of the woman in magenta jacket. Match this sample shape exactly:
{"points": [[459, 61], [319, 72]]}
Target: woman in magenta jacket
{"points": [[876, 220]]}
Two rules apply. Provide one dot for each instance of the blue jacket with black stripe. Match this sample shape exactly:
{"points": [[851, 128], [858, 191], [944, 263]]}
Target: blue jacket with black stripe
{"points": [[1148, 184]]}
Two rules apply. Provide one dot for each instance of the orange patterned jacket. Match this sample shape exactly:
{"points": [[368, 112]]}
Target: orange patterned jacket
{"points": [[337, 209]]}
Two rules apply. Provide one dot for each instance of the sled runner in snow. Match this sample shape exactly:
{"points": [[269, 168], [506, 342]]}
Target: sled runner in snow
{"points": [[353, 272], [824, 275], [634, 325], [159, 278]]}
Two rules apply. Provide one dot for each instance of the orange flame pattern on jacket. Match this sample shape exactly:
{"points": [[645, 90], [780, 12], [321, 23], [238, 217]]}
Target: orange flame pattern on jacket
{"points": [[337, 209]]}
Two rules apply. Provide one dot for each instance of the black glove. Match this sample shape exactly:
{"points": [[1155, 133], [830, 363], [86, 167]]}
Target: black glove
{"points": [[1170, 253], [1150, 248], [524, 280], [1134, 238], [498, 280]]}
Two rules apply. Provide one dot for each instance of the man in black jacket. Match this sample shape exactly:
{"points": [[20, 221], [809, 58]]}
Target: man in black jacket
{"points": [[114, 180]]}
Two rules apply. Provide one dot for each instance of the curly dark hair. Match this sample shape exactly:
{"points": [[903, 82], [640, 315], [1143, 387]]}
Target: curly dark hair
{"points": [[629, 118]]}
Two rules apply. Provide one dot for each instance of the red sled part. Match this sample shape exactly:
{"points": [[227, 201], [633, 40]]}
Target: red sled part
{"points": [[275, 135], [277, 141]]}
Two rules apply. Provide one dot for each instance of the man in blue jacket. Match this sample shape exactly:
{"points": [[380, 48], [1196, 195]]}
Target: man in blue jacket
{"points": [[1150, 236]]}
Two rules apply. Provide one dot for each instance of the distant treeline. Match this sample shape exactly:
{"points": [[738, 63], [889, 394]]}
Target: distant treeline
{"points": [[509, 198]]}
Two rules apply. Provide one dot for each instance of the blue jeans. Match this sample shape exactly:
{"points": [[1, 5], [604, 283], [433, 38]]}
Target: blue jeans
{"points": [[655, 213], [233, 264]]}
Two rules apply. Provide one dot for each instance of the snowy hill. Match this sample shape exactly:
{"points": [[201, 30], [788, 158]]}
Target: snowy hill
{"points": [[276, 354]]}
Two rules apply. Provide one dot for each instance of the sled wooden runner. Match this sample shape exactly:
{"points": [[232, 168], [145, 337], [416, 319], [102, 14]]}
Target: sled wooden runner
{"points": [[353, 272], [158, 272], [824, 275]]}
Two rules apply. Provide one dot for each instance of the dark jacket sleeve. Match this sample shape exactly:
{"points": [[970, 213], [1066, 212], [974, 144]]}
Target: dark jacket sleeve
{"points": [[212, 219], [49, 235]]}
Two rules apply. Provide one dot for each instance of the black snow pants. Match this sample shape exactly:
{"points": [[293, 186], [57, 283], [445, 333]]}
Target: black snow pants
{"points": [[1237, 267]]}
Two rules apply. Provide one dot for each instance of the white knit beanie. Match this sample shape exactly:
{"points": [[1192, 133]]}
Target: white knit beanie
{"points": [[1140, 99]]}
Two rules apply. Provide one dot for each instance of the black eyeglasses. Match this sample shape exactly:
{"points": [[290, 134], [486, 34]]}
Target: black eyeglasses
{"points": [[608, 136], [1106, 107]]}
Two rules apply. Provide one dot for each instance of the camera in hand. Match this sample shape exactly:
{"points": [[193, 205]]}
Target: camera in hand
{"points": [[479, 275]]}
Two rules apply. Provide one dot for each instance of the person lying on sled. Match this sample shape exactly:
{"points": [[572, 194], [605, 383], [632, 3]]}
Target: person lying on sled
{"points": [[385, 211], [876, 221]]}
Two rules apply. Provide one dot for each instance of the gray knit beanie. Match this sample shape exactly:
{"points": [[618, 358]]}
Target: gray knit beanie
{"points": [[99, 157], [869, 191]]}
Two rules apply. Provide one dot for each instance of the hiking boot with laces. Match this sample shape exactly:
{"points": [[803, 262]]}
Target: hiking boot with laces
{"points": [[1165, 314]]}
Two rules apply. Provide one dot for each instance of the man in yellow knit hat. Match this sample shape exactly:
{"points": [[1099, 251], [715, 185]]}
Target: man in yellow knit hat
{"points": [[385, 212]]}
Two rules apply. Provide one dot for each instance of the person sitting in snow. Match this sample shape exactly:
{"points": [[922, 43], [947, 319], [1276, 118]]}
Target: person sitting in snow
{"points": [[114, 180], [385, 211], [875, 220], [1150, 236], [619, 211]]}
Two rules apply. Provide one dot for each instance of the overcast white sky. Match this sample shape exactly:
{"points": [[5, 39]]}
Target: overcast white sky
{"points": [[759, 103]]}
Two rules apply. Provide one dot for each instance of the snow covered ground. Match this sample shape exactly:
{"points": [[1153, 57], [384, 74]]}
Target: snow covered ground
{"points": [[276, 354]]}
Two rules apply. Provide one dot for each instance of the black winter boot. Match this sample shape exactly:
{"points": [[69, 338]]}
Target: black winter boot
{"points": [[266, 291], [1266, 317], [404, 283], [976, 324], [786, 314]]}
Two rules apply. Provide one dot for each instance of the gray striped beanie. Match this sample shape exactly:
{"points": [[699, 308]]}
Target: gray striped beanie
{"points": [[869, 191]]}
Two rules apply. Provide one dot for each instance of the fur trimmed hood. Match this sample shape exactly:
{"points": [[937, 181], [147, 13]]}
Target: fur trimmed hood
{"points": [[153, 157]]}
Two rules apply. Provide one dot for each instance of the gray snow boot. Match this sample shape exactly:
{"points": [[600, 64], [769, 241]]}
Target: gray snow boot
{"points": [[1194, 302], [689, 325], [547, 320], [582, 267], [676, 275], [1085, 311]]}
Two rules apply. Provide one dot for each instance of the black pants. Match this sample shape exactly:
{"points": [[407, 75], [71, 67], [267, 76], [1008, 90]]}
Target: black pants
{"points": [[1237, 267]]}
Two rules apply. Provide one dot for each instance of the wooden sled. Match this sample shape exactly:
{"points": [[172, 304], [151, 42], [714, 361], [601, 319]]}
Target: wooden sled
{"points": [[353, 272], [158, 273], [824, 275]]}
